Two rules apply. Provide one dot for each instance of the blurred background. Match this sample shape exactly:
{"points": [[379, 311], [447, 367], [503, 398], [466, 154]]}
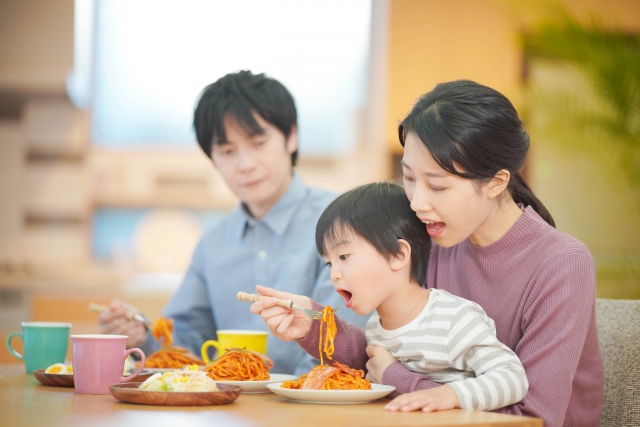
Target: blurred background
{"points": [[104, 192]]}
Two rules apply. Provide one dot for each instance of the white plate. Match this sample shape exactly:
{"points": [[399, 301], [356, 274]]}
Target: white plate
{"points": [[259, 386], [162, 370], [333, 397]]}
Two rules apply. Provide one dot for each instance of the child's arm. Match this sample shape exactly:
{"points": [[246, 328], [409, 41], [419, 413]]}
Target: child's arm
{"points": [[500, 377]]}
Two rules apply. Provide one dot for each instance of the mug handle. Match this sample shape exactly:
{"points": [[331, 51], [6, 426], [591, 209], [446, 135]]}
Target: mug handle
{"points": [[135, 374], [11, 350], [205, 347]]}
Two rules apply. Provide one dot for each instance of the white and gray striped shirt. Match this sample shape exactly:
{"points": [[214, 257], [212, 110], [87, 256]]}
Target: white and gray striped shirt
{"points": [[453, 341]]}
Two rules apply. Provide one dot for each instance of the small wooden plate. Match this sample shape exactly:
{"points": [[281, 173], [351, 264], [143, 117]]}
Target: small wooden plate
{"points": [[129, 393], [57, 380]]}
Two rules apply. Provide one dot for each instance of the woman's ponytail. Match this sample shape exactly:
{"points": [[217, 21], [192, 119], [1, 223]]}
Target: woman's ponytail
{"points": [[521, 193]]}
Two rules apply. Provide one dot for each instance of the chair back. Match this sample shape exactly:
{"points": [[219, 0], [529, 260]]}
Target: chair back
{"points": [[619, 335]]}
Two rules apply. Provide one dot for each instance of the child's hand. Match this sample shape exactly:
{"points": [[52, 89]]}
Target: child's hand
{"points": [[434, 399], [283, 323], [379, 360]]}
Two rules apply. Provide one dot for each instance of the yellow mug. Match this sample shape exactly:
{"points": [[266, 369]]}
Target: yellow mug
{"points": [[236, 338]]}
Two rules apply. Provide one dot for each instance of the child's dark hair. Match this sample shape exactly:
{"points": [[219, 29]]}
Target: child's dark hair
{"points": [[476, 127], [379, 213], [239, 95]]}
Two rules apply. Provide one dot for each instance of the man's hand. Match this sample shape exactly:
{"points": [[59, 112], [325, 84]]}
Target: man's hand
{"points": [[434, 399], [283, 323], [379, 359], [114, 320]]}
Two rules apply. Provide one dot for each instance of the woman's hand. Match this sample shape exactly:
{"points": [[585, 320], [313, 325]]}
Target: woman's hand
{"points": [[116, 320], [434, 399], [283, 323], [379, 359]]}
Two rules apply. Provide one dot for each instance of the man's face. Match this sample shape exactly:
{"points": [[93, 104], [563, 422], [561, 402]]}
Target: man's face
{"points": [[257, 167]]}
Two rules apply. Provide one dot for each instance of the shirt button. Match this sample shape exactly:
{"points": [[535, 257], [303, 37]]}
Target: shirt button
{"points": [[251, 223], [262, 254]]}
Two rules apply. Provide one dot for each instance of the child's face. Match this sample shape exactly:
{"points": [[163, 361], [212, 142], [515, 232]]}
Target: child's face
{"points": [[358, 273]]}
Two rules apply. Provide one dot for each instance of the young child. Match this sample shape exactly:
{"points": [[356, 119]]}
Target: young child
{"points": [[377, 251]]}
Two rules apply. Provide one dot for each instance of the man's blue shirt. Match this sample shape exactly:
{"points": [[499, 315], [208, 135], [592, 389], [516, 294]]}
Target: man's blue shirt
{"points": [[277, 251]]}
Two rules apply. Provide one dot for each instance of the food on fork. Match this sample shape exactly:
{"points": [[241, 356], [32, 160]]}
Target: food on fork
{"points": [[190, 379], [240, 365], [328, 321], [59, 369], [325, 377], [169, 356]]}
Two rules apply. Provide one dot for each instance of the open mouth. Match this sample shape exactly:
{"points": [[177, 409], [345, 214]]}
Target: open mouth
{"points": [[347, 296], [435, 228]]}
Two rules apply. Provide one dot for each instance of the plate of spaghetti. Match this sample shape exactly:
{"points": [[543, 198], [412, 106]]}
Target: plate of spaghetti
{"points": [[169, 357], [332, 397], [330, 384], [246, 368]]}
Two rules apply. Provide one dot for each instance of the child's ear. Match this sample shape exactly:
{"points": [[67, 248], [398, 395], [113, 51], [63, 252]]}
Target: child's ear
{"points": [[403, 257]]}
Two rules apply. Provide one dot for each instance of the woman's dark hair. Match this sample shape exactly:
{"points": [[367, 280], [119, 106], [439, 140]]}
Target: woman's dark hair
{"points": [[477, 128], [240, 94], [381, 214]]}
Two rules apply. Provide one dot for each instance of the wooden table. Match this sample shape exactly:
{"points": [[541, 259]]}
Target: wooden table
{"points": [[25, 402]]}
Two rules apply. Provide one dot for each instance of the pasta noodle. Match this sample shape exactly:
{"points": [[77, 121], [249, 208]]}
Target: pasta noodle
{"points": [[327, 347], [172, 357], [325, 377], [168, 356], [338, 377], [240, 365], [162, 329]]}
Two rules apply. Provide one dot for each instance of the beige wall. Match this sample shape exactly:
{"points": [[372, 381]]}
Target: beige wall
{"points": [[432, 41], [36, 44]]}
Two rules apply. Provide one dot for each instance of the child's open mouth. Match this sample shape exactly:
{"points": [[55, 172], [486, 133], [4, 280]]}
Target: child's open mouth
{"points": [[348, 297]]}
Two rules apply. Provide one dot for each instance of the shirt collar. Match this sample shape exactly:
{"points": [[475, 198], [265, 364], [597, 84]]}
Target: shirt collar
{"points": [[281, 213]]}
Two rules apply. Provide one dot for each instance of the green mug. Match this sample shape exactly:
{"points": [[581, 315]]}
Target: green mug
{"points": [[45, 343]]}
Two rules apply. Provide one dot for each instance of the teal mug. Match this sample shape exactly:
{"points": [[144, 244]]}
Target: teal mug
{"points": [[45, 343]]}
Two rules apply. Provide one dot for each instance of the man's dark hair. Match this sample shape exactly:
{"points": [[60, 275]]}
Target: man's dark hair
{"points": [[239, 95], [380, 213]]}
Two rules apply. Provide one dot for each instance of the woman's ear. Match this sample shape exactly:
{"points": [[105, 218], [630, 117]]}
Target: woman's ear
{"points": [[498, 183], [403, 257]]}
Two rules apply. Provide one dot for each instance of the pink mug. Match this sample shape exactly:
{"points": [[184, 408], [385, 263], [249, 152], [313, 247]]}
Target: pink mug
{"points": [[98, 362]]}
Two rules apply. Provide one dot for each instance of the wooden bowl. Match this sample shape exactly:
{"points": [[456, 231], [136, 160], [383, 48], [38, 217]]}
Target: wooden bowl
{"points": [[57, 380], [129, 393]]}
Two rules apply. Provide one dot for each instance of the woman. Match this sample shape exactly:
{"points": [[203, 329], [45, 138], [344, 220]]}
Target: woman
{"points": [[495, 244]]}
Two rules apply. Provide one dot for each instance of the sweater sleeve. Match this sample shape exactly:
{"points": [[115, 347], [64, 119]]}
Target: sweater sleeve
{"points": [[404, 380], [472, 345], [350, 343], [557, 316]]}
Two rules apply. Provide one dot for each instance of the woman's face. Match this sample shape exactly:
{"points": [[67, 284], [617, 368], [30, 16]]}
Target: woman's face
{"points": [[453, 208]]}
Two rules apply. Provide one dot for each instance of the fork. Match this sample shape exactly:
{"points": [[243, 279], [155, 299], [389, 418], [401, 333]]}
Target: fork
{"points": [[99, 308], [286, 303]]}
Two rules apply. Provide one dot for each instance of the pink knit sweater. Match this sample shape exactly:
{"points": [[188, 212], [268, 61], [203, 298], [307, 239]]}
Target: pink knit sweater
{"points": [[538, 285]]}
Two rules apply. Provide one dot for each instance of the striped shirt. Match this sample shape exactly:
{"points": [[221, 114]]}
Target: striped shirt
{"points": [[453, 341]]}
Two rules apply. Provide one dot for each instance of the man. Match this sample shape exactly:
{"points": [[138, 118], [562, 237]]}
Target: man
{"points": [[247, 125]]}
